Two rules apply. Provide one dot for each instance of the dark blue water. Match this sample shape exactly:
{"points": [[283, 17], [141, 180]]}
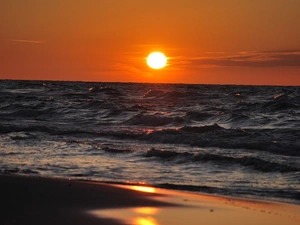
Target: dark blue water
{"points": [[221, 139]]}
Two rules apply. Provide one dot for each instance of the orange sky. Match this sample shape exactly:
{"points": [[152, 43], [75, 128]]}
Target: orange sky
{"points": [[206, 41]]}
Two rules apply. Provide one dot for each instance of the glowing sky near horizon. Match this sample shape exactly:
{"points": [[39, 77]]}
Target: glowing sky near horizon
{"points": [[208, 41]]}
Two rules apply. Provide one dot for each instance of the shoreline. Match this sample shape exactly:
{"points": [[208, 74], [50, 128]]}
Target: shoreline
{"points": [[40, 200]]}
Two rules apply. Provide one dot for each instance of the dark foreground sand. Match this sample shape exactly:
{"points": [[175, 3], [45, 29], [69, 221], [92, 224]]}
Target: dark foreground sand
{"points": [[35, 200]]}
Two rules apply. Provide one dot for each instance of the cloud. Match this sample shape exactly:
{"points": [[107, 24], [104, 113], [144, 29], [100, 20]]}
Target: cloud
{"points": [[27, 41], [250, 59], [126, 68]]}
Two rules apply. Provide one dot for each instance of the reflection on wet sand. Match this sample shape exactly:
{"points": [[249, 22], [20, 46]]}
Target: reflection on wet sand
{"points": [[147, 216], [143, 189], [194, 208], [145, 221], [136, 216], [147, 210]]}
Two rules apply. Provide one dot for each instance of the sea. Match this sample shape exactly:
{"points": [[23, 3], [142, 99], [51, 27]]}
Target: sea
{"points": [[231, 140]]}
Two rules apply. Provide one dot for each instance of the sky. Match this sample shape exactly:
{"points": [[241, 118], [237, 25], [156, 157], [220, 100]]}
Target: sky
{"points": [[254, 42]]}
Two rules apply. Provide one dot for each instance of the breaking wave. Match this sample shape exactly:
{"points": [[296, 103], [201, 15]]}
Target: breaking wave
{"points": [[246, 161]]}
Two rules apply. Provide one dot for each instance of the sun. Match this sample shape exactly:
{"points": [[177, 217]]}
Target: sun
{"points": [[156, 60]]}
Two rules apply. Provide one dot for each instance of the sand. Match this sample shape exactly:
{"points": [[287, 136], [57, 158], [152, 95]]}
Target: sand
{"points": [[36, 200]]}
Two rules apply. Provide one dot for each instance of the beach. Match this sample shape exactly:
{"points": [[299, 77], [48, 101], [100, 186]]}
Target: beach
{"points": [[41, 200]]}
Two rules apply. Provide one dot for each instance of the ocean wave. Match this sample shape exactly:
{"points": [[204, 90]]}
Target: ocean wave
{"points": [[231, 117], [153, 120], [169, 94], [106, 90], [23, 136], [247, 161], [161, 153], [116, 150], [31, 113], [266, 166], [278, 106], [276, 141], [194, 188], [199, 116], [217, 136], [17, 170], [114, 112], [202, 129], [281, 102], [5, 129], [154, 93]]}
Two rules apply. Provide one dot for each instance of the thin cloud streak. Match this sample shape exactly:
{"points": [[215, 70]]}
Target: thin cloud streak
{"points": [[27, 41], [251, 59]]}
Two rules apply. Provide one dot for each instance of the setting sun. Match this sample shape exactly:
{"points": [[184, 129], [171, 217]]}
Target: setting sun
{"points": [[156, 60]]}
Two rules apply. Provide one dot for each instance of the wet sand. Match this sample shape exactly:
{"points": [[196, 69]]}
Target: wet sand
{"points": [[37, 200]]}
